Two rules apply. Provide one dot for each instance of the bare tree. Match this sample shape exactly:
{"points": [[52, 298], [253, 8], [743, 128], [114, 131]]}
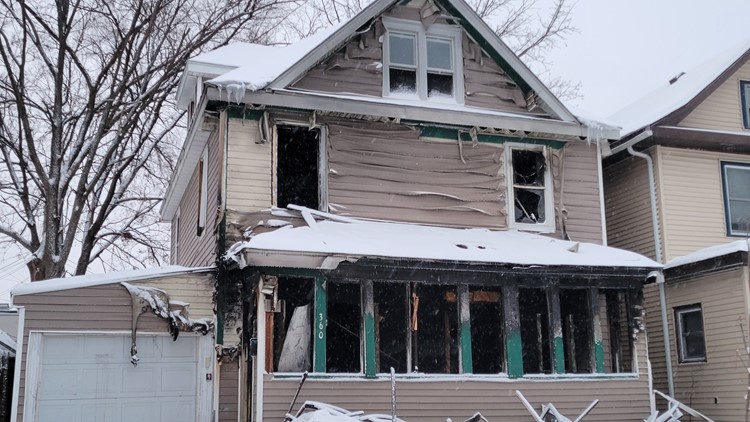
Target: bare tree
{"points": [[529, 28], [87, 123]]}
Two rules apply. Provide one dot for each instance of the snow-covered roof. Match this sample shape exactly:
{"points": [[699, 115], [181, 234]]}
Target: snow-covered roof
{"points": [[669, 97], [382, 239], [709, 253], [67, 283]]}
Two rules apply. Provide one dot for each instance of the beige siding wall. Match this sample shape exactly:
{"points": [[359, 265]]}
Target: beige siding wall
{"points": [[723, 377], [692, 199], [580, 192], [229, 392], [194, 250], [628, 206], [722, 110], [437, 399], [105, 308], [248, 167]]}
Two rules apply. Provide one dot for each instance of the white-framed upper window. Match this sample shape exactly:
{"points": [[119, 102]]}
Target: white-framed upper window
{"points": [[422, 64], [736, 186], [691, 340], [202, 190], [530, 194]]}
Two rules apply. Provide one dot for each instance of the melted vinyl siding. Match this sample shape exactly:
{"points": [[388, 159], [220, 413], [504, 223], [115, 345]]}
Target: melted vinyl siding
{"points": [[723, 376], [248, 167], [102, 308], [199, 251], [390, 172], [693, 200], [722, 110], [228, 392], [628, 206], [581, 192], [430, 400]]}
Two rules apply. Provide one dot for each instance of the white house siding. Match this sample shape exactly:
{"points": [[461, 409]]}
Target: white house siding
{"points": [[722, 110], [723, 377]]}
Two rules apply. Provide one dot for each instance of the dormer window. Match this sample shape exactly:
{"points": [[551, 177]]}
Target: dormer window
{"points": [[422, 64]]}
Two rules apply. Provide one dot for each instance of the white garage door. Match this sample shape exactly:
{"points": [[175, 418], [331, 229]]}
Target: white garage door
{"points": [[84, 378]]}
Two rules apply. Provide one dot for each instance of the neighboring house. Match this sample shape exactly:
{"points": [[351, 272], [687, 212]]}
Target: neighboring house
{"points": [[79, 339], [695, 131], [335, 179]]}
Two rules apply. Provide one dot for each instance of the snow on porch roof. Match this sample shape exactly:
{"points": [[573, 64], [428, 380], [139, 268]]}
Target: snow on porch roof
{"points": [[57, 284], [709, 253], [356, 238]]}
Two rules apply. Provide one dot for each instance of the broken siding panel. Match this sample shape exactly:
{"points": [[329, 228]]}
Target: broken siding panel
{"points": [[580, 194], [722, 110], [693, 200], [194, 289], [628, 206], [229, 376], [194, 250], [723, 376], [388, 171], [248, 167]]}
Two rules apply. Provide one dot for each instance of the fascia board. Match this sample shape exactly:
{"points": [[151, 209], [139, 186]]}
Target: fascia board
{"points": [[189, 155], [523, 71], [317, 54], [193, 69], [298, 100]]}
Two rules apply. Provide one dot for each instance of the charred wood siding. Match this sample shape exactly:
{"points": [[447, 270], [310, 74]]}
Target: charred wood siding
{"points": [[105, 308], [389, 172], [722, 296], [194, 250]]}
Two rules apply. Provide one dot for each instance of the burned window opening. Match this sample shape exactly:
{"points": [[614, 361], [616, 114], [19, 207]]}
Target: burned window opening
{"points": [[618, 328], [529, 169], [391, 313], [487, 334], [535, 333], [343, 329], [291, 325], [434, 329], [577, 325], [297, 170]]}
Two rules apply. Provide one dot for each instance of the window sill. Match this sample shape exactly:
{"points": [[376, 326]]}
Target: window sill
{"points": [[701, 363]]}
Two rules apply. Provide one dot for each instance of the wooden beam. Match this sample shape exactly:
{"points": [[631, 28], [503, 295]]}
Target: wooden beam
{"points": [[513, 345], [464, 318]]}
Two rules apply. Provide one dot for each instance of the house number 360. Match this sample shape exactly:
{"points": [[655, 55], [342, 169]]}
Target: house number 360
{"points": [[320, 326]]}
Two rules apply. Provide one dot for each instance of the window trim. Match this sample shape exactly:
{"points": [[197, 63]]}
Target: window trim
{"points": [[202, 191], [745, 112], [442, 31], [549, 197], [725, 190], [681, 349], [322, 160]]}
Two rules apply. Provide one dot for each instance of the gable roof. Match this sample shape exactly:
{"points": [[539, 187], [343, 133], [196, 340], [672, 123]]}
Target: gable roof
{"points": [[287, 64], [689, 90]]}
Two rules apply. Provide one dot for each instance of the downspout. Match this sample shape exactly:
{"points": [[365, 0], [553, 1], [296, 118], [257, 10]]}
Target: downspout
{"points": [[601, 191], [660, 276]]}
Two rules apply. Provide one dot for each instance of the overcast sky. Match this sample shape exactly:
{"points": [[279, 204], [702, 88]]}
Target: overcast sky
{"points": [[623, 50], [626, 48]]}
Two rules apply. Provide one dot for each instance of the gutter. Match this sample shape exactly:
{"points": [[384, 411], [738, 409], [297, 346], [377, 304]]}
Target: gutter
{"points": [[657, 246], [647, 133]]}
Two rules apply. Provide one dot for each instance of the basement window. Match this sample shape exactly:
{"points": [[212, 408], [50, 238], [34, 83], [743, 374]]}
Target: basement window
{"points": [[691, 339], [298, 167], [343, 330], [291, 324], [487, 333], [530, 188], [736, 181]]}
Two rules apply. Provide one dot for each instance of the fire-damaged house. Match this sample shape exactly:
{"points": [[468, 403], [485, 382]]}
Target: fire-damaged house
{"points": [[401, 194], [400, 191]]}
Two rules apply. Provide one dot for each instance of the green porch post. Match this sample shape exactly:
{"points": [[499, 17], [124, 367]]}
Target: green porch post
{"points": [[558, 347], [511, 317], [464, 329], [597, 332], [369, 323], [321, 321]]}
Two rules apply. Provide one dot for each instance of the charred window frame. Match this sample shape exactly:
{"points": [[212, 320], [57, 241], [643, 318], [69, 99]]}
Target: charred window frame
{"points": [[300, 165], [422, 64], [735, 179], [691, 338], [530, 193]]}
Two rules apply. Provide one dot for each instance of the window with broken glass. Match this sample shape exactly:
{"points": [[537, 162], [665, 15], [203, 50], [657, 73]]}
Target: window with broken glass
{"points": [[530, 188], [429, 328]]}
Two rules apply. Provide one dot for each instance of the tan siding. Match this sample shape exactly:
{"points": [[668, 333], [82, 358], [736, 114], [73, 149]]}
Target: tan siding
{"points": [[389, 172], [228, 392], [581, 192], [248, 167], [628, 206], [693, 199], [722, 298], [194, 250], [103, 308], [722, 110]]}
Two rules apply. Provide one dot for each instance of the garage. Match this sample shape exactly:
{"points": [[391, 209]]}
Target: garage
{"points": [[89, 377]]}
